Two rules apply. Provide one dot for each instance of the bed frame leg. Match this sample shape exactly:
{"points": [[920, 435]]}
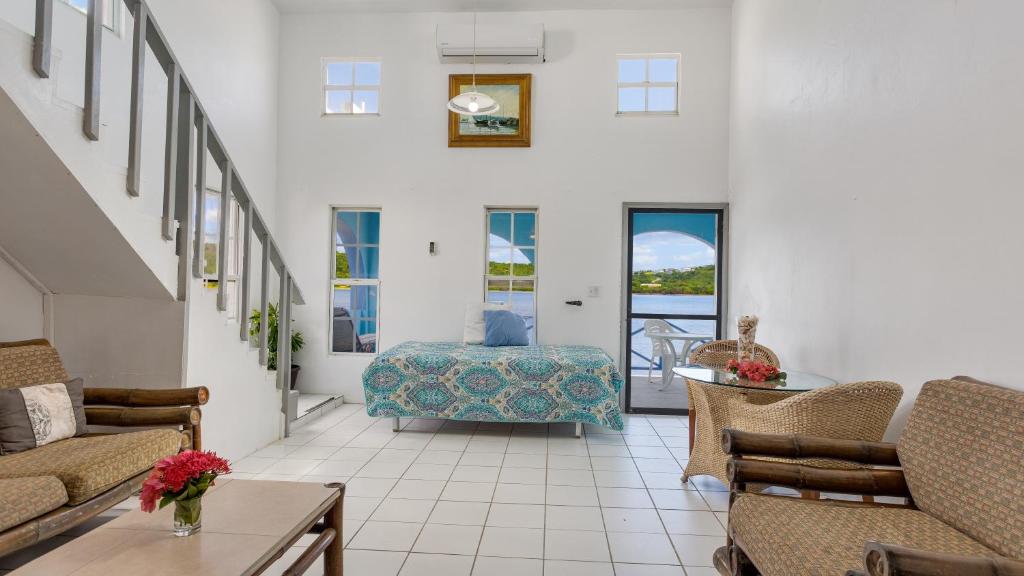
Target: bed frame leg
{"points": [[396, 425], [579, 429]]}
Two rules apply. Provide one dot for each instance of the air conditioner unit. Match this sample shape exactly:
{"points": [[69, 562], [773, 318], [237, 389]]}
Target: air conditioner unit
{"points": [[496, 44]]}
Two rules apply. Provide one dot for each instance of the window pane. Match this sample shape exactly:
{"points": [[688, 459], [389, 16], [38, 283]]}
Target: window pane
{"points": [[367, 73], [339, 101], [210, 234], [497, 290], [343, 332], [342, 266], [369, 227], [661, 99], [499, 261], [339, 73], [524, 262], [82, 5], [366, 334], [631, 99], [367, 265], [523, 301], [109, 7], [663, 69], [525, 224], [631, 70], [501, 226], [364, 301], [366, 102]]}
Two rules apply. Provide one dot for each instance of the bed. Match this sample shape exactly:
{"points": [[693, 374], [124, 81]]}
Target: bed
{"points": [[577, 384]]}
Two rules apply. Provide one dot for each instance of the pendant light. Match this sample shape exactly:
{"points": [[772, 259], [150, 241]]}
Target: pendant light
{"points": [[473, 103]]}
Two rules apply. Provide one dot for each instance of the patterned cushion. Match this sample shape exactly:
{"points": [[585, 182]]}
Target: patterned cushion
{"points": [[963, 456], [793, 537], [92, 465], [33, 363], [23, 499]]}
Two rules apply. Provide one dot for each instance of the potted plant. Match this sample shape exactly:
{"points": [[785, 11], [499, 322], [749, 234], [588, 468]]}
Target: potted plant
{"points": [[254, 330]]}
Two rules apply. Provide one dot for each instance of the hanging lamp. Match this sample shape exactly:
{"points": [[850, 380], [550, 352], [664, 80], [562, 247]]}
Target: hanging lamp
{"points": [[473, 103]]}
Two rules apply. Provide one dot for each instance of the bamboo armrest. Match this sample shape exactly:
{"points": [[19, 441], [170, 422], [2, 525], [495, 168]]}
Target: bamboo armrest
{"points": [[889, 560], [114, 416], [137, 397], [874, 482], [740, 443]]}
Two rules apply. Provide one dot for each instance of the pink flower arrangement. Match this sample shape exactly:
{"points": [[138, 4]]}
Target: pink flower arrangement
{"points": [[754, 371], [183, 476]]}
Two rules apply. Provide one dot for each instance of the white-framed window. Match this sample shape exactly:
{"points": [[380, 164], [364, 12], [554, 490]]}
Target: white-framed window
{"points": [[211, 247], [511, 273], [351, 86], [355, 280], [111, 12], [648, 84]]}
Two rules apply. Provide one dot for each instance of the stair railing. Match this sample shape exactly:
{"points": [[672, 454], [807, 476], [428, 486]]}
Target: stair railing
{"points": [[190, 135]]}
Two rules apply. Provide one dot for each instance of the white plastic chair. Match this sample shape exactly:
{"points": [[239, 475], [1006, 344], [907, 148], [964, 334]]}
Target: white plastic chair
{"points": [[653, 329]]}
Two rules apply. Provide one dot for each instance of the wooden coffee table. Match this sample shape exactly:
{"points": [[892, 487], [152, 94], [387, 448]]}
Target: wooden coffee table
{"points": [[247, 525]]}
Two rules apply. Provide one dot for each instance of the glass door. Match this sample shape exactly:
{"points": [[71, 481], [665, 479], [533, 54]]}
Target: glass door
{"points": [[674, 299]]}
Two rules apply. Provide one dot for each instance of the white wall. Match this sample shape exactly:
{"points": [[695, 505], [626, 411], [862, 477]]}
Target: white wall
{"points": [[875, 173], [21, 306], [584, 163]]}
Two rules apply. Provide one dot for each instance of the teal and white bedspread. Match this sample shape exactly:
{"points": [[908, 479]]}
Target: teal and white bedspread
{"points": [[495, 384]]}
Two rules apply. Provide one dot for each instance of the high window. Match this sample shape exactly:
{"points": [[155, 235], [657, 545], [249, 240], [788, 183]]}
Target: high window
{"points": [[648, 84], [512, 262], [351, 86], [111, 11], [211, 244], [355, 282]]}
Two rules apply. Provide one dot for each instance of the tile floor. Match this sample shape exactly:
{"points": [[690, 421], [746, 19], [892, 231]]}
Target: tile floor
{"points": [[459, 499]]}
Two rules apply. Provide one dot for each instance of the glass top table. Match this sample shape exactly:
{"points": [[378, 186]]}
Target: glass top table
{"points": [[794, 382]]}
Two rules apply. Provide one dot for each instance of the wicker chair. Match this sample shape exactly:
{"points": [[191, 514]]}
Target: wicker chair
{"points": [[716, 354], [959, 464]]}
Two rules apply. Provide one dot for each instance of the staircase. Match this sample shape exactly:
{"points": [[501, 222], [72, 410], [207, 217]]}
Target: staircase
{"points": [[189, 139]]}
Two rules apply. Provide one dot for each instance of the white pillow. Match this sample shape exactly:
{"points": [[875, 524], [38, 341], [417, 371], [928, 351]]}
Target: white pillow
{"points": [[473, 333]]}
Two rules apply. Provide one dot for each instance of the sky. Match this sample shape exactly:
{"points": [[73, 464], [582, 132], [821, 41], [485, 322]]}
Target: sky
{"points": [[664, 250]]}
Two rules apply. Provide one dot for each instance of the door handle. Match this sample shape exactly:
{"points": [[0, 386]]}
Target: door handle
{"points": [[574, 302]]}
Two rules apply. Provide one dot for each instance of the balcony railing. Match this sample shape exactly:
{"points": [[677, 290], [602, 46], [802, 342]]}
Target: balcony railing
{"points": [[190, 136]]}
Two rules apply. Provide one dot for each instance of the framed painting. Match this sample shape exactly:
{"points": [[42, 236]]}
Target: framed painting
{"points": [[508, 127]]}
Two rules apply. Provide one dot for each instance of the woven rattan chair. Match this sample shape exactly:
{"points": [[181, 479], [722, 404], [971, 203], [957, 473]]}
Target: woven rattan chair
{"points": [[716, 354], [959, 463]]}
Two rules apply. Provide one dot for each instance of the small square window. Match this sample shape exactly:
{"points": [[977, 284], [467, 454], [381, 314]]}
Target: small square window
{"points": [[648, 84], [351, 86]]}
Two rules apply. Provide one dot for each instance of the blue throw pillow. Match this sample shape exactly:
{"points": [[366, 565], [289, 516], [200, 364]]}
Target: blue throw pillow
{"points": [[504, 328]]}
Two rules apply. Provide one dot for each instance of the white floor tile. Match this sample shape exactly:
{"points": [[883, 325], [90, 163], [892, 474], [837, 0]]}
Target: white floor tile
{"points": [[519, 494], [608, 450], [373, 563], [403, 510], [612, 463], [516, 515], [696, 550], [468, 491], [650, 452], [312, 452], [354, 454], [490, 566], [437, 565], [624, 497], [522, 476], [398, 536], [359, 508], [678, 500], [701, 571], [482, 458], [253, 464], [664, 480], [475, 474], [527, 445], [718, 501], [619, 478], [576, 545], [571, 496], [641, 548], [562, 462], [574, 518], [336, 467], [708, 484], [693, 522], [632, 520], [658, 465], [572, 568], [448, 539], [464, 513], [525, 460], [418, 489], [570, 477], [382, 470], [420, 471], [369, 487], [648, 570], [439, 457], [512, 542]]}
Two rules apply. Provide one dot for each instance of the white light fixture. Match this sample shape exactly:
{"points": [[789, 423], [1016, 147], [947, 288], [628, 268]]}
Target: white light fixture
{"points": [[473, 103]]}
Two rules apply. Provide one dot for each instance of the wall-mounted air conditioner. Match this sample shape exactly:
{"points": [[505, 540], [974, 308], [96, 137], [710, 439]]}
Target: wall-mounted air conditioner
{"points": [[497, 44]]}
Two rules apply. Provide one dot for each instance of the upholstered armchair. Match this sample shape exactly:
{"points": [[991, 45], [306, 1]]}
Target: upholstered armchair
{"points": [[959, 465]]}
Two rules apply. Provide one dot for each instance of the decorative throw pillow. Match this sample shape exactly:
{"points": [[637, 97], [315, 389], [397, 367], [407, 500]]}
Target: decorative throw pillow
{"points": [[474, 330], [34, 416], [504, 328]]}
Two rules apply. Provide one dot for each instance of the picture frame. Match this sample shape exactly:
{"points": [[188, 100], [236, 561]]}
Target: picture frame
{"points": [[509, 128]]}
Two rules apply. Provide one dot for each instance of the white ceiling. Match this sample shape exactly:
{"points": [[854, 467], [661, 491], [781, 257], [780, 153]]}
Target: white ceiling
{"points": [[486, 5]]}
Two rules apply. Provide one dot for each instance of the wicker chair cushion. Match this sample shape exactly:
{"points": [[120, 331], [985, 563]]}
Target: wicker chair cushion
{"points": [[91, 465], [26, 365], [22, 499], [793, 537], [963, 455]]}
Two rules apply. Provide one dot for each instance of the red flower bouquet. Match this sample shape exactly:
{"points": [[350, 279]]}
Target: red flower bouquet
{"points": [[182, 479], [754, 371]]}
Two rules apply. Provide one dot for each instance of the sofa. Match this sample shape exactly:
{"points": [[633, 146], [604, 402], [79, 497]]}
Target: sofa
{"points": [[958, 466], [47, 490]]}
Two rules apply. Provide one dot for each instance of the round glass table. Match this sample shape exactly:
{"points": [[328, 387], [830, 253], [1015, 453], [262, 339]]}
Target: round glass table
{"points": [[794, 381]]}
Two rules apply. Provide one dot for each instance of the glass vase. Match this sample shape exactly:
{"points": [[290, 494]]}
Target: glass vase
{"points": [[188, 516]]}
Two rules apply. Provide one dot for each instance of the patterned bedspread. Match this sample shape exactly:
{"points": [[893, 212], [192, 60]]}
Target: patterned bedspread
{"points": [[495, 384]]}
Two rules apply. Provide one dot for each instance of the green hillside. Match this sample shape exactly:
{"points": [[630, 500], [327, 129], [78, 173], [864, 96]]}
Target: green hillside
{"points": [[694, 281]]}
